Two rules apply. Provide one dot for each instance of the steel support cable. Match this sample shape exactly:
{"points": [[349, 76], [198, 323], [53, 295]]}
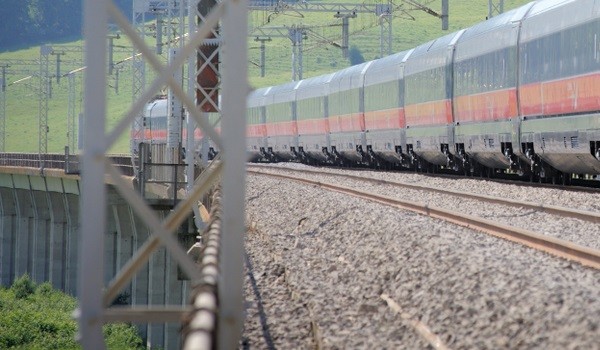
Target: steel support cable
{"points": [[202, 184], [166, 73]]}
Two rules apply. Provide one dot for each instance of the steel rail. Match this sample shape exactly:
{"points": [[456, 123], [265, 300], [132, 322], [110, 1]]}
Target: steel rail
{"points": [[576, 185], [564, 249], [550, 209]]}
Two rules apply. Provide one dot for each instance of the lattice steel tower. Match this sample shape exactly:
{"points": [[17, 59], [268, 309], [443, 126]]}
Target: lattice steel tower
{"points": [[95, 297], [495, 7], [44, 95]]}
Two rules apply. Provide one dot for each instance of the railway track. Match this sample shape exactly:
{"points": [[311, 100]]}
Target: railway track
{"points": [[584, 255], [396, 279], [575, 185], [589, 185]]}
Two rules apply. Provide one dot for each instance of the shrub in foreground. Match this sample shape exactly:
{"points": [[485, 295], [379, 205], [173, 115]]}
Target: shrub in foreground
{"points": [[40, 317]]}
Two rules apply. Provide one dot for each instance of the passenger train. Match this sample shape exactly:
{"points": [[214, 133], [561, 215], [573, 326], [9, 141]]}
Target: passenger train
{"points": [[518, 93]]}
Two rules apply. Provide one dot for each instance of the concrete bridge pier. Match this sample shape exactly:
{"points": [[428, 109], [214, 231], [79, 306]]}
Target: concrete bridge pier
{"points": [[64, 214]]}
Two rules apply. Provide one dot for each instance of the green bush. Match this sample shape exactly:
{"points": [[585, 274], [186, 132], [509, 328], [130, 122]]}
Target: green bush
{"points": [[122, 336], [41, 318], [23, 287], [44, 289]]}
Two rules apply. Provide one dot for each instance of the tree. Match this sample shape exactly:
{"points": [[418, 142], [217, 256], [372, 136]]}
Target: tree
{"points": [[355, 56], [14, 16], [33, 22]]}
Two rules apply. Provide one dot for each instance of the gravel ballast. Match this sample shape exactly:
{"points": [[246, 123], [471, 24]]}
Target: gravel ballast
{"points": [[578, 231], [317, 267]]}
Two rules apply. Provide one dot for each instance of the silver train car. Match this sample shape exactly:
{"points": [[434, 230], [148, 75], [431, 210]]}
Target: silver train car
{"points": [[519, 92]]}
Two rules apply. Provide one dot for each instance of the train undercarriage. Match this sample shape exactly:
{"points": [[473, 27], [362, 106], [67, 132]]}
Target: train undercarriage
{"points": [[526, 163]]}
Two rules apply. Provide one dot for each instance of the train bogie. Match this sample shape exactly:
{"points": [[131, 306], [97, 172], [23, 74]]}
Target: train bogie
{"points": [[430, 143], [488, 144], [387, 145]]}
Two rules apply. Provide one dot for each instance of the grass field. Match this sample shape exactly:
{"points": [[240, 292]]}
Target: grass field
{"points": [[410, 28]]}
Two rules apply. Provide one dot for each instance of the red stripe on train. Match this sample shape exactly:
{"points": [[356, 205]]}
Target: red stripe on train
{"points": [[565, 96], [385, 119], [282, 129], [347, 122], [487, 106], [313, 126], [429, 113]]}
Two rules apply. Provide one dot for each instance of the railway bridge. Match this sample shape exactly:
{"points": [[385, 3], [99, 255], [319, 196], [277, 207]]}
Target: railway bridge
{"points": [[40, 235]]}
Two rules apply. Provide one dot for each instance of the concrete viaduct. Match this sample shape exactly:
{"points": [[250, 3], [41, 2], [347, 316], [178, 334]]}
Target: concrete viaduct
{"points": [[40, 233]]}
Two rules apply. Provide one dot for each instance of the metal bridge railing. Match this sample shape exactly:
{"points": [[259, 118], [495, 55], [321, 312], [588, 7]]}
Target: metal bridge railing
{"points": [[67, 162]]}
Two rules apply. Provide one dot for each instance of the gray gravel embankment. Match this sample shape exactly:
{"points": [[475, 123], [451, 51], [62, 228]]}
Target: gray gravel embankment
{"points": [[319, 265]]}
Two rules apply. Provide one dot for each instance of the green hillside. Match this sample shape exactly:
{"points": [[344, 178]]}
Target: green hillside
{"points": [[410, 28]]}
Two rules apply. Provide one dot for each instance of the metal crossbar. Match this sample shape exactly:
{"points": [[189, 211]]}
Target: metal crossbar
{"points": [[93, 312]]}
